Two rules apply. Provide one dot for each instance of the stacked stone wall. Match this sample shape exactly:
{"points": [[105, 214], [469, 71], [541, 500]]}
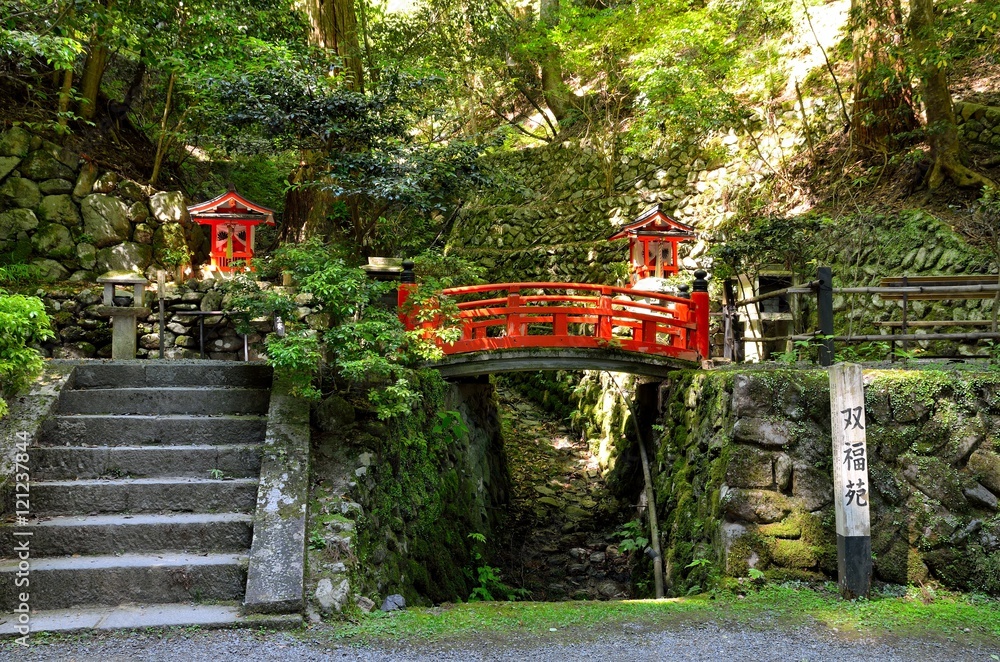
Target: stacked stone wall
{"points": [[979, 124], [744, 476], [82, 332], [73, 220]]}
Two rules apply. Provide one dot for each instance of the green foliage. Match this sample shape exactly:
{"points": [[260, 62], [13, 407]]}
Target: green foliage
{"points": [[23, 322], [744, 246], [632, 537], [489, 584]]}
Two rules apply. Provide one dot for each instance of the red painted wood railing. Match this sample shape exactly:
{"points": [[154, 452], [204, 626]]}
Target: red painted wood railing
{"points": [[574, 315]]}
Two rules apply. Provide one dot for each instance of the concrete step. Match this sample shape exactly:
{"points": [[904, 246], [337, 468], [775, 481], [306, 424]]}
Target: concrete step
{"points": [[142, 495], [146, 373], [174, 430], [134, 534], [194, 461], [140, 617], [60, 583], [165, 400]]}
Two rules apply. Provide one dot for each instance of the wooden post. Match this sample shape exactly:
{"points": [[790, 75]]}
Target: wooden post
{"points": [[161, 282], [699, 297], [824, 305], [850, 480]]}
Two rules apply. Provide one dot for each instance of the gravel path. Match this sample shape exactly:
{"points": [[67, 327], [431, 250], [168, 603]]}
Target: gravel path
{"points": [[709, 641]]}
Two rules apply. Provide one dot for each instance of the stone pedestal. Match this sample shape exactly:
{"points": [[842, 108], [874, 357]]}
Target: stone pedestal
{"points": [[123, 317], [123, 328]]}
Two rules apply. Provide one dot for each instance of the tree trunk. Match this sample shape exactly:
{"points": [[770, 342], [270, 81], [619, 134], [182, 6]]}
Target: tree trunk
{"points": [[95, 64], [333, 25], [553, 87], [942, 130], [883, 98], [160, 145]]}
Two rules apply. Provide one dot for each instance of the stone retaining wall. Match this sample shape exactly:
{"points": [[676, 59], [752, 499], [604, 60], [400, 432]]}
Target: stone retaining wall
{"points": [[81, 332], [744, 476], [979, 124], [75, 221]]}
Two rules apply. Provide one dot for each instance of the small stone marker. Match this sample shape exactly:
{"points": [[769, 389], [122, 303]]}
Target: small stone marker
{"points": [[394, 602], [850, 480]]}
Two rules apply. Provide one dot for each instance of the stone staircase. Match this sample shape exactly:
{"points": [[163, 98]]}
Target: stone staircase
{"points": [[143, 491]]}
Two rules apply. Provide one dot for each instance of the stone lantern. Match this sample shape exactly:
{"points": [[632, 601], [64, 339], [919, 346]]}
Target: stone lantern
{"points": [[123, 310]]}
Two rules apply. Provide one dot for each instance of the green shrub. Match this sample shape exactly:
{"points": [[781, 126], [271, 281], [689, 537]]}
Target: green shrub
{"points": [[22, 322]]}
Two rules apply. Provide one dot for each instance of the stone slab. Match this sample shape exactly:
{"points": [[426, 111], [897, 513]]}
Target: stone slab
{"points": [[143, 495], [190, 461], [141, 533], [275, 577], [134, 430], [63, 582], [165, 400], [139, 617]]}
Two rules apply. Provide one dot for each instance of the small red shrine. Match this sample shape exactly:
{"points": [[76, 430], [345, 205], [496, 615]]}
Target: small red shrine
{"points": [[232, 221], [652, 243]]}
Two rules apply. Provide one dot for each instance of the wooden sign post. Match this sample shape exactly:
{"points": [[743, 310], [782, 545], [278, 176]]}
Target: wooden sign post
{"points": [[850, 480]]}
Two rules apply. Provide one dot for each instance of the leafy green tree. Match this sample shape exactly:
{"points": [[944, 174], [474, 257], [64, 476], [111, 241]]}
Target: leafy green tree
{"points": [[23, 322]]}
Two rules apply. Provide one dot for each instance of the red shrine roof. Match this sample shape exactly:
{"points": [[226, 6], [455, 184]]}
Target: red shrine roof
{"points": [[231, 206], [655, 223]]}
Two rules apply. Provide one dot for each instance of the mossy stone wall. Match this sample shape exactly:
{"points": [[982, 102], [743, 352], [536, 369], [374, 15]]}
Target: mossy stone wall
{"points": [[744, 470], [394, 501]]}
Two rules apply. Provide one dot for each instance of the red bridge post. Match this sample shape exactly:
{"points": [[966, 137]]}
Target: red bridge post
{"points": [[699, 297], [407, 283]]}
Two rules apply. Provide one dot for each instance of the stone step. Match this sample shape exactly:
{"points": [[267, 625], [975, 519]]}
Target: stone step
{"points": [[140, 617], [172, 373], [142, 495], [173, 430], [60, 583], [135, 534], [165, 400], [194, 461]]}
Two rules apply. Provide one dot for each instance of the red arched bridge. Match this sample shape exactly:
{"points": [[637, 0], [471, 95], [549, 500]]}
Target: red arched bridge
{"points": [[510, 327]]}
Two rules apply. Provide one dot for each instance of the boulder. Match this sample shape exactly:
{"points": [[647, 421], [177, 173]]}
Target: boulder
{"points": [[986, 465], [128, 256], [105, 219], [16, 220], [170, 244], [7, 164], [86, 255], [762, 431], [50, 270], [394, 602], [20, 192], [54, 241], [142, 234], [106, 183], [813, 486], [85, 182], [40, 165], [15, 142], [169, 207], [55, 186], [59, 209], [332, 598], [138, 213], [82, 275], [130, 190]]}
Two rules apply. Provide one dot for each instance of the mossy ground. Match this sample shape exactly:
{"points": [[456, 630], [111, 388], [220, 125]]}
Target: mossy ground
{"points": [[894, 612]]}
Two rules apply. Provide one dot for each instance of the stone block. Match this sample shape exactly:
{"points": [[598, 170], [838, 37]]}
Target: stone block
{"points": [[50, 270], [16, 221], [762, 431], [54, 241], [128, 256], [59, 209], [750, 467], [7, 165], [105, 219], [15, 142], [40, 165], [55, 186], [169, 207], [756, 506], [84, 185], [20, 192], [986, 465]]}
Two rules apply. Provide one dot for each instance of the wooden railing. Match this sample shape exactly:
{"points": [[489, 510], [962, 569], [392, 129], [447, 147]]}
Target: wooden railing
{"points": [[574, 315]]}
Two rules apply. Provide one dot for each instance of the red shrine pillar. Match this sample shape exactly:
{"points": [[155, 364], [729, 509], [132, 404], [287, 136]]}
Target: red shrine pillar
{"points": [[699, 297], [407, 283]]}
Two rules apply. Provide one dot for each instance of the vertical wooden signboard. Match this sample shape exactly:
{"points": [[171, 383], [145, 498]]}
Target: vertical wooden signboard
{"points": [[850, 480]]}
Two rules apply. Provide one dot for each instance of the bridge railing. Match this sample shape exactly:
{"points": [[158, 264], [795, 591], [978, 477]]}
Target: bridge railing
{"points": [[574, 315]]}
